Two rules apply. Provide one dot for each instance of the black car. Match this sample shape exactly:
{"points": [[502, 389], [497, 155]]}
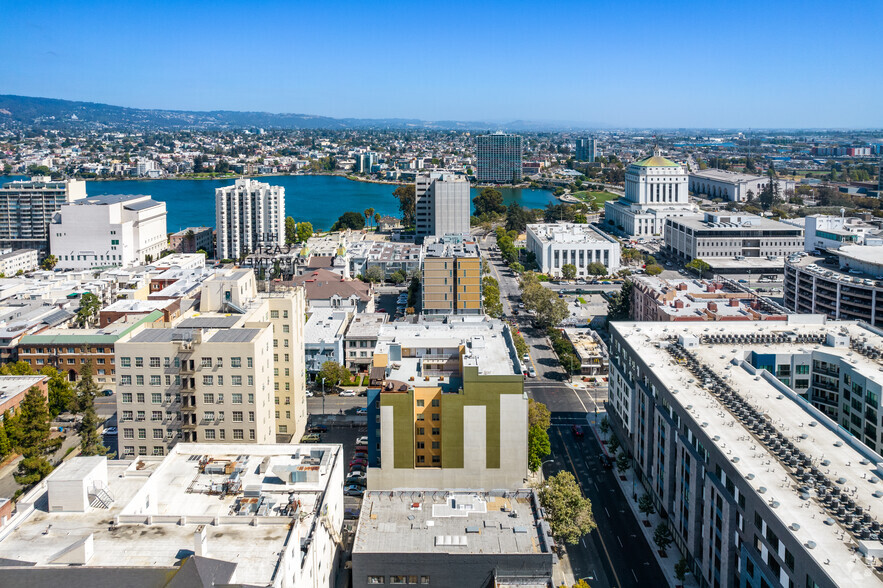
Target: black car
{"points": [[318, 429], [606, 462]]}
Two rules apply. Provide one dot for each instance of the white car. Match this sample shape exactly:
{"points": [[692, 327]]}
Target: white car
{"points": [[347, 392], [309, 394], [525, 358], [531, 372]]}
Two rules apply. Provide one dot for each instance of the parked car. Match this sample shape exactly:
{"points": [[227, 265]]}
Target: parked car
{"points": [[358, 462], [577, 431], [363, 440], [356, 480], [110, 431], [353, 490], [531, 372], [310, 394], [605, 461], [525, 358], [360, 455], [361, 410], [347, 392], [351, 514], [356, 471], [107, 392], [317, 429], [311, 438], [361, 447]]}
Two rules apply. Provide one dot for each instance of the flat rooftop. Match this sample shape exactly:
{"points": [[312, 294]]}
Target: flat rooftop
{"points": [[725, 176], [11, 386], [325, 325], [567, 233], [818, 266], [488, 345], [842, 458], [754, 223], [417, 522], [159, 502], [366, 325]]}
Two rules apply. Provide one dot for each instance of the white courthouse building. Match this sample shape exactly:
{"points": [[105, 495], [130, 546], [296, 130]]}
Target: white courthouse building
{"points": [[108, 231], [558, 244], [732, 186], [248, 215], [655, 189]]}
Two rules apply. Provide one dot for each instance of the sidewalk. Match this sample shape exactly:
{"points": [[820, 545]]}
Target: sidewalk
{"points": [[562, 573], [632, 489]]}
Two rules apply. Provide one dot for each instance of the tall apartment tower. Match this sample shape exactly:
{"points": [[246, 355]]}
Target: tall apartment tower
{"points": [[248, 215], [442, 204], [233, 372], [27, 207], [498, 158], [451, 280], [586, 150]]}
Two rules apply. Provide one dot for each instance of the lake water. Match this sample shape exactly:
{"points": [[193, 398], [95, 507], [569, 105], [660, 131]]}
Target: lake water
{"points": [[317, 199]]}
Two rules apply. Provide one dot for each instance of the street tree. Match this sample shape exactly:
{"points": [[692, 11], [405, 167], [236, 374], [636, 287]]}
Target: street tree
{"points": [[374, 274], [653, 270], [290, 230], [87, 389], [407, 197], [662, 536], [620, 306], [681, 569], [645, 505], [622, 462], [333, 373], [568, 271], [700, 266], [493, 307], [61, 396], [538, 414], [596, 268], [569, 513], [32, 438], [548, 308], [538, 447], [49, 262]]}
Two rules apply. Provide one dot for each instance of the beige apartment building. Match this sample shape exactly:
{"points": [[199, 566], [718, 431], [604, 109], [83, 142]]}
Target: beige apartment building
{"points": [[231, 372], [451, 278]]}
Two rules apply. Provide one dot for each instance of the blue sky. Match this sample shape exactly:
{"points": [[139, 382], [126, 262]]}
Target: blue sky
{"points": [[630, 63]]}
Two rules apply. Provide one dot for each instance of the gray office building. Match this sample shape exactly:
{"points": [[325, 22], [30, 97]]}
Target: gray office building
{"points": [[442, 204], [27, 207], [586, 149], [752, 441], [498, 158]]}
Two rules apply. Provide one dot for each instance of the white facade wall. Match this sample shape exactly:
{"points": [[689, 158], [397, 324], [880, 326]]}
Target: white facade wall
{"points": [[108, 232], [19, 260], [248, 215], [442, 204], [577, 244]]}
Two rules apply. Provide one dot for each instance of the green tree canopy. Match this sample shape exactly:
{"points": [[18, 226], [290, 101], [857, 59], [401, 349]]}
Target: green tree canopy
{"points": [[517, 218], [304, 231], [538, 414], [568, 271], [374, 274], [538, 447], [596, 268], [349, 220], [645, 504], [334, 373], [49, 262], [493, 307], [87, 389], [700, 266], [569, 513], [290, 231], [489, 201], [662, 535], [653, 269], [87, 314], [548, 308], [407, 197], [620, 306]]}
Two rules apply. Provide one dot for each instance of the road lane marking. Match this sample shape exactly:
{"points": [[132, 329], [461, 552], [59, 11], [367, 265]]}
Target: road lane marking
{"points": [[579, 482], [620, 541], [634, 575]]}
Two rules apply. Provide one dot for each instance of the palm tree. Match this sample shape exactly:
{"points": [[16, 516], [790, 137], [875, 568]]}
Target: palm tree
{"points": [[369, 214]]}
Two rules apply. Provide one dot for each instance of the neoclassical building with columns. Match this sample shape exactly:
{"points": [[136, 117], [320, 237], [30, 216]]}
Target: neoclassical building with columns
{"points": [[656, 188]]}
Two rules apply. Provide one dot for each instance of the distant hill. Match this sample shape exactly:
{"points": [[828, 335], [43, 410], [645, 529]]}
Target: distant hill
{"points": [[26, 112]]}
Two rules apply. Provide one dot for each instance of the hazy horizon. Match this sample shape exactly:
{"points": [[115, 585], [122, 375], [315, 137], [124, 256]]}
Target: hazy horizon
{"points": [[630, 65]]}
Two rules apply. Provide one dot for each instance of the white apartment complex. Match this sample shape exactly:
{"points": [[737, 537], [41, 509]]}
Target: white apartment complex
{"points": [[28, 207], [108, 231], [248, 215], [442, 204], [18, 260], [655, 189], [232, 372], [558, 244]]}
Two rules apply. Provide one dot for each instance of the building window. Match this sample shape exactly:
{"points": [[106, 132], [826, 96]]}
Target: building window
{"points": [[208, 380], [128, 433], [155, 381], [139, 362], [154, 362], [208, 398], [376, 579], [207, 362], [237, 381], [250, 362], [157, 433], [398, 580], [251, 434], [126, 361], [125, 380], [156, 415], [237, 434], [237, 416], [236, 362], [139, 380], [436, 416], [435, 402], [127, 397], [209, 434], [142, 433], [237, 398], [158, 450], [420, 402]]}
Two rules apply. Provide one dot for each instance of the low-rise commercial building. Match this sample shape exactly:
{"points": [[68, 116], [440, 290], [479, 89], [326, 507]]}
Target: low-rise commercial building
{"points": [[442, 538], [323, 338], [851, 289], [192, 239], [759, 486], [558, 244], [108, 231], [451, 277], [590, 351], [658, 299], [451, 406], [732, 186], [361, 339], [731, 236], [204, 515], [14, 388], [19, 260]]}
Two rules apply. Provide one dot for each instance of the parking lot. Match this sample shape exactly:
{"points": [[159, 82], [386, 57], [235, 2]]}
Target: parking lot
{"points": [[345, 431]]}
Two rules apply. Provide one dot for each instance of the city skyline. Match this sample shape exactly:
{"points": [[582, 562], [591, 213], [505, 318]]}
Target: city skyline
{"points": [[612, 67]]}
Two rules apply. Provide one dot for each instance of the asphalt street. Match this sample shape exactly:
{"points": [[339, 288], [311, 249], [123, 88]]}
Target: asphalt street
{"points": [[616, 554]]}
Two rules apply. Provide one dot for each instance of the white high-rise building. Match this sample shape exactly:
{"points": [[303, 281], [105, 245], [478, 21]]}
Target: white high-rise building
{"points": [[656, 188], [442, 204], [108, 231], [248, 215], [27, 208]]}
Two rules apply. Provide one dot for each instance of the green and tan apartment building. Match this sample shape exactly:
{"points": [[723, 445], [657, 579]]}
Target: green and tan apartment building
{"points": [[450, 411], [451, 277]]}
